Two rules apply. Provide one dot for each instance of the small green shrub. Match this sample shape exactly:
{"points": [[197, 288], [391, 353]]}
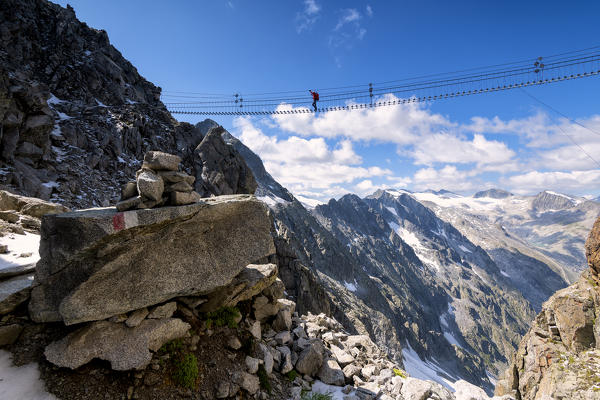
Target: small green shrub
{"points": [[400, 373], [172, 347], [292, 375], [316, 396], [185, 371], [265, 384], [223, 316]]}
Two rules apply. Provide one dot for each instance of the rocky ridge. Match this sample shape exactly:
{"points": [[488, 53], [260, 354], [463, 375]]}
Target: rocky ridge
{"points": [[559, 358], [76, 117]]}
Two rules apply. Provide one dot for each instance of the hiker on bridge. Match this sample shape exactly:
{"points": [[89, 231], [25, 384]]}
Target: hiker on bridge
{"points": [[315, 97]]}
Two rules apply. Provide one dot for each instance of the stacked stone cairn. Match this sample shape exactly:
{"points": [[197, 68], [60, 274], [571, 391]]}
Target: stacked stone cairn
{"points": [[159, 182]]}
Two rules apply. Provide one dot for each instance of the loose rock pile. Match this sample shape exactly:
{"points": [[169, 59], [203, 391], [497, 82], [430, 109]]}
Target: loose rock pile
{"points": [[158, 183], [19, 228]]}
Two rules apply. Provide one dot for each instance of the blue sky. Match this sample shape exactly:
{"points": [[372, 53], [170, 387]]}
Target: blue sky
{"points": [[465, 144]]}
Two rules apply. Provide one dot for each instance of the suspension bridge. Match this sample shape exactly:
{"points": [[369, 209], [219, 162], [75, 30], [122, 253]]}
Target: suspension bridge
{"points": [[536, 71]]}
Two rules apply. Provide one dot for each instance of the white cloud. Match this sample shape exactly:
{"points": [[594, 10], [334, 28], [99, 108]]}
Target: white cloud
{"points": [[400, 124], [447, 148], [307, 18], [448, 177], [567, 182], [307, 166], [348, 15], [369, 10]]}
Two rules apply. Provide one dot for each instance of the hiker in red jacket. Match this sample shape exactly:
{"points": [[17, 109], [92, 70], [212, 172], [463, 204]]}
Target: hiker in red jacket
{"points": [[315, 96]]}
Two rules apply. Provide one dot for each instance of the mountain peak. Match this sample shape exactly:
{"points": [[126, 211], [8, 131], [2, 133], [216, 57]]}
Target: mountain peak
{"points": [[493, 193], [552, 201]]}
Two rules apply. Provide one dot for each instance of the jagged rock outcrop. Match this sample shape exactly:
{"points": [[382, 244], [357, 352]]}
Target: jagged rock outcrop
{"points": [[559, 358], [143, 257], [220, 169], [592, 251]]}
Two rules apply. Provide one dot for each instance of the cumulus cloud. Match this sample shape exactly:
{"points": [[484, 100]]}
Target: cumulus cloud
{"points": [[560, 181], [307, 166], [448, 177], [448, 148], [401, 124], [323, 155], [307, 17]]}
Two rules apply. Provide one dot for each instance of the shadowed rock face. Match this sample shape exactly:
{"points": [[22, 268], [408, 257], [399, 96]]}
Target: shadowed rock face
{"points": [[144, 257], [560, 356], [220, 169], [592, 251], [76, 117]]}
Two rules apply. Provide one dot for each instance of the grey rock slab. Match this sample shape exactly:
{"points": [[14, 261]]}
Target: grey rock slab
{"points": [[129, 190], [251, 364], [331, 373], [234, 343], [179, 187], [125, 348], [164, 311], [285, 365], [342, 357], [98, 263], [255, 330], [129, 204], [416, 389], [283, 337], [9, 334], [247, 284], [29, 205], [263, 309], [246, 381], [9, 216], [351, 370], [183, 198], [136, 317], [17, 270], [266, 356], [310, 359], [222, 390], [150, 185], [13, 292], [283, 320], [176, 177], [157, 160]]}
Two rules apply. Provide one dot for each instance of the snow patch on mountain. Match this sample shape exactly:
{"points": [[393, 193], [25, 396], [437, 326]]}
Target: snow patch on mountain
{"points": [[426, 370], [392, 210], [272, 200], [351, 286]]}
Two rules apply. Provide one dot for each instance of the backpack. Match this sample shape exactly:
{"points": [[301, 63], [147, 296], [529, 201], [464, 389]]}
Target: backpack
{"points": [[315, 96]]}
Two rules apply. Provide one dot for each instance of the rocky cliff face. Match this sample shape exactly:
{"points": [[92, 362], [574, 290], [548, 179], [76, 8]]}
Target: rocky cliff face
{"points": [[76, 117], [559, 357]]}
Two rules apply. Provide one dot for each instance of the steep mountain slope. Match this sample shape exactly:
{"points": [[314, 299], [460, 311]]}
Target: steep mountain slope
{"points": [[479, 310], [559, 356], [76, 117], [536, 240]]}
